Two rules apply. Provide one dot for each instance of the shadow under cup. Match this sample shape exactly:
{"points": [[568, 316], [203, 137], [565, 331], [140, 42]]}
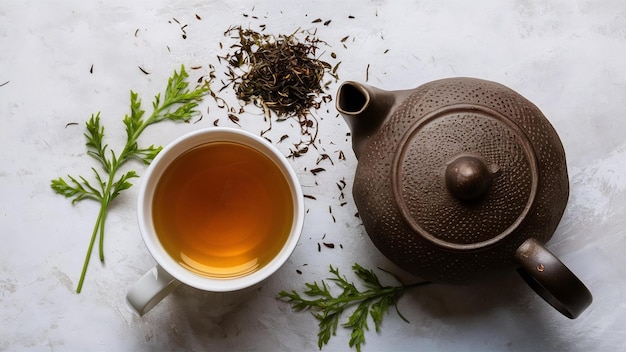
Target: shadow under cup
{"points": [[219, 209]]}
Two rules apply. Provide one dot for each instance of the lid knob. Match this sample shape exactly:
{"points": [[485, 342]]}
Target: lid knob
{"points": [[468, 178]]}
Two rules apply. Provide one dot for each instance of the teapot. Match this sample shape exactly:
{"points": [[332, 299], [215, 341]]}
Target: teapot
{"points": [[461, 180]]}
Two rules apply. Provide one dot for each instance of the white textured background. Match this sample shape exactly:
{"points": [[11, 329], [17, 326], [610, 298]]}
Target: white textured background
{"points": [[568, 57]]}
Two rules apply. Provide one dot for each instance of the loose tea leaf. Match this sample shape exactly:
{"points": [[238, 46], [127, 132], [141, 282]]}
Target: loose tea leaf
{"points": [[317, 170], [280, 74], [179, 103], [234, 119], [322, 157], [372, 302]]}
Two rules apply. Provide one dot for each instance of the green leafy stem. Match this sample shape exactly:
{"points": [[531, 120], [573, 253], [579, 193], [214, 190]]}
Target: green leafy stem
{"points": [[374, 301], [178, 103]]}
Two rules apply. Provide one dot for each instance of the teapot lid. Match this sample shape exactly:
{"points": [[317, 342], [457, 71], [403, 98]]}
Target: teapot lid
{"points": [[465, 176]]}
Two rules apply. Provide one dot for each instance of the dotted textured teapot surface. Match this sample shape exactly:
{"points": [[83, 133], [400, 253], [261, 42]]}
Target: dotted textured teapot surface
{"points": [[452, 181]]}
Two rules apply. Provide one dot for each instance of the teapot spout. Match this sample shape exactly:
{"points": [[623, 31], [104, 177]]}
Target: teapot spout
{"points": [[365, 109]]}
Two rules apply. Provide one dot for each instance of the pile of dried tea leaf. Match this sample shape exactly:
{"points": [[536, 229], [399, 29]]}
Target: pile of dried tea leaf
{"points": [[280, 74]]}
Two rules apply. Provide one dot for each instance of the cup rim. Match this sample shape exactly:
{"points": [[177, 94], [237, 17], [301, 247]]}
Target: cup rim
{"points": [[150, 180]]}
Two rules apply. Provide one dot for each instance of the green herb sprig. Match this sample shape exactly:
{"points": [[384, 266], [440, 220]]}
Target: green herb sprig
{"points": [[374, 301], [178, 103]]}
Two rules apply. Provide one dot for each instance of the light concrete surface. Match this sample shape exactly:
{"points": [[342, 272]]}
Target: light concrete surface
{"points": [[567, 57]]}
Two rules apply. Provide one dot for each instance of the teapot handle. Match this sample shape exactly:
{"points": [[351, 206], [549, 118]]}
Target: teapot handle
{"points": [[551, 279]]}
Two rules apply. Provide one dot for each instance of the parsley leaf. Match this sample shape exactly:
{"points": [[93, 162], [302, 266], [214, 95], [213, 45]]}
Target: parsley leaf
{"points": [[179, 104], [373, 301]]}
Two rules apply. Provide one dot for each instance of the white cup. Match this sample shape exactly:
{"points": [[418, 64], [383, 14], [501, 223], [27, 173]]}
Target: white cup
{"points": [[168, 273]]}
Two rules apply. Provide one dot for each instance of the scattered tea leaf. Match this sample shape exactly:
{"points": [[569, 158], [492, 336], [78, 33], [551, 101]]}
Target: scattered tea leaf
{"points": [[322, 157], [144, 71], [298, 152], [283, 137], [234, 119], [329, 245], [182, 27], [317, 20], [317, 170], [336, 67]]}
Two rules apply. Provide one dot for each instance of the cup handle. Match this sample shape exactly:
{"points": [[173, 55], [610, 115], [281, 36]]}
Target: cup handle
{"points": [[150, 290], [551, 279]]}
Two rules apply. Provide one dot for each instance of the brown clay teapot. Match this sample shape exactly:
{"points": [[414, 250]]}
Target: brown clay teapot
{"points": [[461, 180]]}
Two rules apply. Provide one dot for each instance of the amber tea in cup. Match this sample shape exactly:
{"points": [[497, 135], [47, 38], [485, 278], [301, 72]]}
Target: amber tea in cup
{"points": [[222, 209], [219, 209]]}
